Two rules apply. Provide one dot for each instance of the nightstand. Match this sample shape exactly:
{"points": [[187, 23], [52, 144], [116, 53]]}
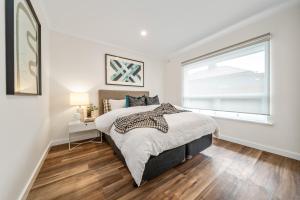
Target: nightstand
{"points": [[76, 127]]}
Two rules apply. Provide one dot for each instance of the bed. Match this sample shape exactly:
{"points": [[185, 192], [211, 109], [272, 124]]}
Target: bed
{"points": [[161, 159]]}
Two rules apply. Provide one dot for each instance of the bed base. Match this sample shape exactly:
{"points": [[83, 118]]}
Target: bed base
{"points": [[157, 165], [196, 146]]}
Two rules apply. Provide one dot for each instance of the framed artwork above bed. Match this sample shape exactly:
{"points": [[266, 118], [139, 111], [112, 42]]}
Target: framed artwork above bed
{"points": [[123, 71], [23, 49]]}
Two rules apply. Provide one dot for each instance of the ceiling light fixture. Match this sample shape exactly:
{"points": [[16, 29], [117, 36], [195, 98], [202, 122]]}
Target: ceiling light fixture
{"points": [[143, 33]]}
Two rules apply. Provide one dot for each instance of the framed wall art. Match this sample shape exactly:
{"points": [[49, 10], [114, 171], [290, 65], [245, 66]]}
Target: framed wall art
{"points": [[23, 49], [124, 71]]}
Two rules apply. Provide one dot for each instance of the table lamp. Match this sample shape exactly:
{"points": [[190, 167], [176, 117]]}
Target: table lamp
{"points": [[79, 99]]}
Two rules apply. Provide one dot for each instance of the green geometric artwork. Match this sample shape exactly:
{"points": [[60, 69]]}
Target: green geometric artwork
{"points": [[124, 71]]}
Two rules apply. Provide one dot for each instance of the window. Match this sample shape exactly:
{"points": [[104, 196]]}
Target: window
{"points": [[235, 80]]}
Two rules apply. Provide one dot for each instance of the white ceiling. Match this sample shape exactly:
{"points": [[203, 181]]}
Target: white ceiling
{"points": [[171, 24]]}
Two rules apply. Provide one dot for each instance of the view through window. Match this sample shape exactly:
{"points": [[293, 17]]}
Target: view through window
{"points": [[235, 81]]}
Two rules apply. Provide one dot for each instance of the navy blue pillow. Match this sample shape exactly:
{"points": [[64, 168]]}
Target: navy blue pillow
{"points": [[135, 101], [152, 100]]}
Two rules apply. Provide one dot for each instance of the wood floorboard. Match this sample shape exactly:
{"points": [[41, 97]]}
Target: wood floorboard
{"points": [[223, 171]]}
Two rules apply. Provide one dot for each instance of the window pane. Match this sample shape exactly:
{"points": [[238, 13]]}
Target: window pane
{"points": [[237, 81]]}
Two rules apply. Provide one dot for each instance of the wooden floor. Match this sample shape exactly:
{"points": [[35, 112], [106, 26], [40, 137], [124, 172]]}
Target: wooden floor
{"points": [[223, 171]]}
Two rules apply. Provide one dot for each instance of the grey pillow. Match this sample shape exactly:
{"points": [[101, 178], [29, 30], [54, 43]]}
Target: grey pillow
{"points": [[136, 101], [152, 100]]}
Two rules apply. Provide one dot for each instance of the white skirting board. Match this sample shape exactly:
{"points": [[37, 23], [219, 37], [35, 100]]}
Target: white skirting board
{"points": [[34, 174], [75, 138], [36, 170], [262, 147]]}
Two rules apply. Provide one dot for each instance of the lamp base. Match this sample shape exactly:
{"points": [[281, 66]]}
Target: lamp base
{"points": [[78, 115]]}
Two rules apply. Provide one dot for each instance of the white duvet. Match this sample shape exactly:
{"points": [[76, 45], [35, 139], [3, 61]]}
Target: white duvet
{"points": [[139, 144]]}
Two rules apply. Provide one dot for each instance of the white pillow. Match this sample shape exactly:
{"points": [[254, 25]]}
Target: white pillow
{"points": [[116, 104]]}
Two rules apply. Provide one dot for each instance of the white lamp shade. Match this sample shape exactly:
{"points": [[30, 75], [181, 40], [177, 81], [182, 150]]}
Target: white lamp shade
{"points": [[79, 99]]}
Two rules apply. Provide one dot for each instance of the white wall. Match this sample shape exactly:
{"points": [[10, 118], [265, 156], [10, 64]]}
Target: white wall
{"points": [[284, 24], [24, 122], [78, 65]]}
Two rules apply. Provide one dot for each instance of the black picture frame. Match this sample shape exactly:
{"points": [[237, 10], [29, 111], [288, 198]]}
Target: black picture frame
{"points": [[10, 49], [106, 71]]}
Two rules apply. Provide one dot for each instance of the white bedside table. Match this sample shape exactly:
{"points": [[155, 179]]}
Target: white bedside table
{"points": [[79, 127]]}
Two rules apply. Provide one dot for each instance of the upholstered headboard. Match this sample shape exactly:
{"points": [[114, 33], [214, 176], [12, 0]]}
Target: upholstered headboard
{"points": [[117, 94]]}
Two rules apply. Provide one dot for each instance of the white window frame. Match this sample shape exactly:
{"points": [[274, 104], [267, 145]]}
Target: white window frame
{"points": [[248, 117]]}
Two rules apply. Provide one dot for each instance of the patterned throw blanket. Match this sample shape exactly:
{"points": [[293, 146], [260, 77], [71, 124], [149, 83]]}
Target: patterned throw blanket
{"points": [[149, 119]]}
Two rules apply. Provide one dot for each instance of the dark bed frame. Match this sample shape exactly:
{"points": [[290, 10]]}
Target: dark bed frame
{"points": [[156, 165]]}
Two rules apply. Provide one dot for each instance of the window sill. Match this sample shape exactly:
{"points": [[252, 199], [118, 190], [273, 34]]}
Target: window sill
{"points": [[265, 122], [251, 118]]}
